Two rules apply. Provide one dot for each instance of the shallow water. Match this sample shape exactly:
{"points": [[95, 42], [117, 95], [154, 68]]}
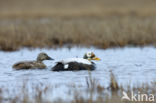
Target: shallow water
{"points": [[131, 65]]}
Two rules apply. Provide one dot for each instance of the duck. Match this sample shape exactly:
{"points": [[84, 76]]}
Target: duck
{"points": [[38, 64], [75, 64]]}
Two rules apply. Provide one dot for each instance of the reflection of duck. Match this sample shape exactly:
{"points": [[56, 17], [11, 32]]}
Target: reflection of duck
{"points": [[72, 64], [33, 64]]}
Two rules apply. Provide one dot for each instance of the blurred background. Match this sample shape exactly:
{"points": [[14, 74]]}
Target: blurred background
{"points": [[55, 23]]}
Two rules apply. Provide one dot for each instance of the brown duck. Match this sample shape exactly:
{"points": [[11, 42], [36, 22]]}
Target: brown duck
{"points": [[33, 64]]}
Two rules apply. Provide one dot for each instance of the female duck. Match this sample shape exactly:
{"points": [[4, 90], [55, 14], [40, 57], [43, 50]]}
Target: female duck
{"points": [[33, 64], [73, 64]]}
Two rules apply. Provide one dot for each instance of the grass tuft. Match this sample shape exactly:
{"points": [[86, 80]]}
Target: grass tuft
{"points": [[94, 93]]}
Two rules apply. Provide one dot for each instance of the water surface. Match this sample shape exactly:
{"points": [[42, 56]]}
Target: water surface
{"points": [[131, 65]]}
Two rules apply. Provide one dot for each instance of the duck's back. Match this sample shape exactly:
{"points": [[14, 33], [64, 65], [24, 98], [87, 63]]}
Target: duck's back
{"points": [[73, 64], [29, 65]]}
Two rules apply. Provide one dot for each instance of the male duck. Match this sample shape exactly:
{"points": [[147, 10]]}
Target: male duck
{"points": [[33, 64], [74, 64]]}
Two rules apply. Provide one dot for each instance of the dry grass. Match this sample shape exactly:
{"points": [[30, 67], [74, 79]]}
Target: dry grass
{"points": [[75, 8], [96, 93], [54, 23]]}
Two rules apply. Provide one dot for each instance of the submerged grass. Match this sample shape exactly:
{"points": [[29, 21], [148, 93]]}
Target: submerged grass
{"points": [[95, 93], [54, 23]]}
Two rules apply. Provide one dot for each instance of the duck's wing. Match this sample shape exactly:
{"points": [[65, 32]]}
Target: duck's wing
{"points": [[71, 64], [23, 65], [80, 66]]}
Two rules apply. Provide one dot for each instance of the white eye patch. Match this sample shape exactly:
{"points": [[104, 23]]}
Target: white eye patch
{"points": [[89, 54]]}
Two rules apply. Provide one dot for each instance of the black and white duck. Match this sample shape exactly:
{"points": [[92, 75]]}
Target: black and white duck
{"points": [[75, 64]]}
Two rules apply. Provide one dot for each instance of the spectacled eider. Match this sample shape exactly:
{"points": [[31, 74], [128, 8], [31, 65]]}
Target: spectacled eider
{"points": [[74, 64], [33, 64]]}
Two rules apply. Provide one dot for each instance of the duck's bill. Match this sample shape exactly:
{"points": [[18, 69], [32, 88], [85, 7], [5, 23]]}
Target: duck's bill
{"points": [[49, 58], [96, 58]]}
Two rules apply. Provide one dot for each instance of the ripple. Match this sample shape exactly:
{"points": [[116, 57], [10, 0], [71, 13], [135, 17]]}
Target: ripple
{"points": [[130, 65]]}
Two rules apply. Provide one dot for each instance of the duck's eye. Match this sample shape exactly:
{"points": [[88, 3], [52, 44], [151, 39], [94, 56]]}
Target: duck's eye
{"points": [[44, 54]]}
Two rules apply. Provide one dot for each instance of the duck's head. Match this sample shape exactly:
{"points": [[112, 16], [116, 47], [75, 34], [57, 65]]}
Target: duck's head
{"points": [[90, 56], [43, 56]]}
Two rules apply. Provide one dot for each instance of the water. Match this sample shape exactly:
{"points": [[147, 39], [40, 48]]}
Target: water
{"points": [[131, 65]]}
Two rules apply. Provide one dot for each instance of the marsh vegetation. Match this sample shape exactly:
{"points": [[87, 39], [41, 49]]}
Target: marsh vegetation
{"points": [[94, 93], [55, 23]]}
